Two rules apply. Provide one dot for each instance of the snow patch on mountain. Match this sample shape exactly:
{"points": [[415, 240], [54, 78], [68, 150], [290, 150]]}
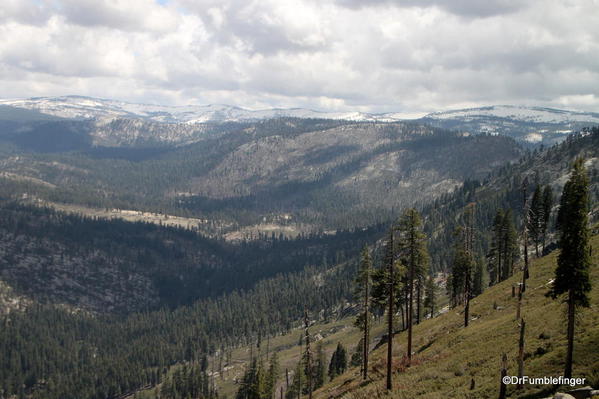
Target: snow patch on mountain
{"points": [[77, 107], [519, 113], [534, 137]]}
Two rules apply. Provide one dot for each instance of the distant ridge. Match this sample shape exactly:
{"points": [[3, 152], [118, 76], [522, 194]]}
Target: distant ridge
{"points": [[528, 124], [82, 107]]}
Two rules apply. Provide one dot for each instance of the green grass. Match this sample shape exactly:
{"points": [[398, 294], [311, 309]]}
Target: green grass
{"points": [[448, 357], [289, 351]]}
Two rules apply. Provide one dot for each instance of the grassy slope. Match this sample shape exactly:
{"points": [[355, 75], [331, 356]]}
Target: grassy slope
{"points": [[288, 352], [450, 356]]}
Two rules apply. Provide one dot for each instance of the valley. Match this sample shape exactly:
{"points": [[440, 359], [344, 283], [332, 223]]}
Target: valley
{"points": [[146, 255]]}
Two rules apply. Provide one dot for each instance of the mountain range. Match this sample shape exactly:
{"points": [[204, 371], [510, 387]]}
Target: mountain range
{"points": [[142, 246], [526, 123]]}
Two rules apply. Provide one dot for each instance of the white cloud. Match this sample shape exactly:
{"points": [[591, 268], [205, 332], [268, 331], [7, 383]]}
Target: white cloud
{"points": [[378, 55]]}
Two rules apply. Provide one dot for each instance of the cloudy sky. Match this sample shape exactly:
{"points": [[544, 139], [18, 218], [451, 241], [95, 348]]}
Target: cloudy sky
{"points": [[407, 56]]}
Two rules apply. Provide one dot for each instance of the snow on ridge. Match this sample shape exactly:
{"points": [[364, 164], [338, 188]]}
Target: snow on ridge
{"points": [[525, 114], [80, 107]]}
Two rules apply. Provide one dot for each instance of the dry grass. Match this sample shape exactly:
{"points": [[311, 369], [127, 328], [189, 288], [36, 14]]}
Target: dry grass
{"points": [[448, 357]]}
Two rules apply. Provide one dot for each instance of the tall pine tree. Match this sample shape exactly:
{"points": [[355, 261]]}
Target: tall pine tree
{"points": [[547, 205], [414, 255], [573, 263], [363, 282]]}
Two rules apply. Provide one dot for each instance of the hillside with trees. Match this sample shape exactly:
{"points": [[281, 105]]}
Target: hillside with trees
{"points": [[78, 288]]}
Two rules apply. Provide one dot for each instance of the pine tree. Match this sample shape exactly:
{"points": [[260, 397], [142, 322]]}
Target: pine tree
{"points": [[460, 266], [535, 219], [298, 384], [413, 254], [573, 263], [430, 292], [363, 282], [356, 357], [274, 370], [496, 249], [384, 292], [338, 362], [547, 205], [469, 252], [461, 270], [319, 369], [478, 278], [510, 251], [258, 385], [308, 356]]}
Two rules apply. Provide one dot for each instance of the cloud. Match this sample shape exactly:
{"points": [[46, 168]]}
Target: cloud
{"points": [[371, 55], [466, 8], [24, 12], [127, 15]]}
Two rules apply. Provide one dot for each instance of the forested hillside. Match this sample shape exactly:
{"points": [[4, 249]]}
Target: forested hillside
{"points": [[99, 308], [310, 173], [451, 361], [116, 266]]}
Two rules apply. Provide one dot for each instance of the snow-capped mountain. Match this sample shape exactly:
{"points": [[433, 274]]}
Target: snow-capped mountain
{"points": [[519, 113], [78, 107], [528, 124]]}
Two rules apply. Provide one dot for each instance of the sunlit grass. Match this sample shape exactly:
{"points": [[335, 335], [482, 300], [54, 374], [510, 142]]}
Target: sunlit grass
{"points": [[451, 357]]}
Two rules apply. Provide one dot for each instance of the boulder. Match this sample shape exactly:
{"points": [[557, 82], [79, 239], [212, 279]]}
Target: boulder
{"points": [[582, 393], [560, 395]]}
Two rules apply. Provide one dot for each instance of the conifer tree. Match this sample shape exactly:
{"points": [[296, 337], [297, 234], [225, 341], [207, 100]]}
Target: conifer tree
{"points": [[430, 292], [509, 245], [384, 291], [319, 369], [356, 357], [308, 356], [338, 363], [547, 205], [459, 268], [413, 254], [274, 370], [363, 282], [469, 264], [572, 277], [298, 384], [496, 249], [478, 278], [535, 219]]}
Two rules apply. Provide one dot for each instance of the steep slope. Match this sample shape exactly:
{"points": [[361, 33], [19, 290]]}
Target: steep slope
{"points": [[113, 266], [115, 355], [503, 189], [448, 356]]}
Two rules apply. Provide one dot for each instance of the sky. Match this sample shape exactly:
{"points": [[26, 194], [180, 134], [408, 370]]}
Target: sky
{"points": [[411, 57]]}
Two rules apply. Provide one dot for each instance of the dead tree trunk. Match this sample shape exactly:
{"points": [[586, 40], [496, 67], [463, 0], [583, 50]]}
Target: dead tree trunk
{"points": [[418, 301], [308, 354], [502, 385], [366, 332], [521, 355], [571, 317], [390, 328], [519, 306]]}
